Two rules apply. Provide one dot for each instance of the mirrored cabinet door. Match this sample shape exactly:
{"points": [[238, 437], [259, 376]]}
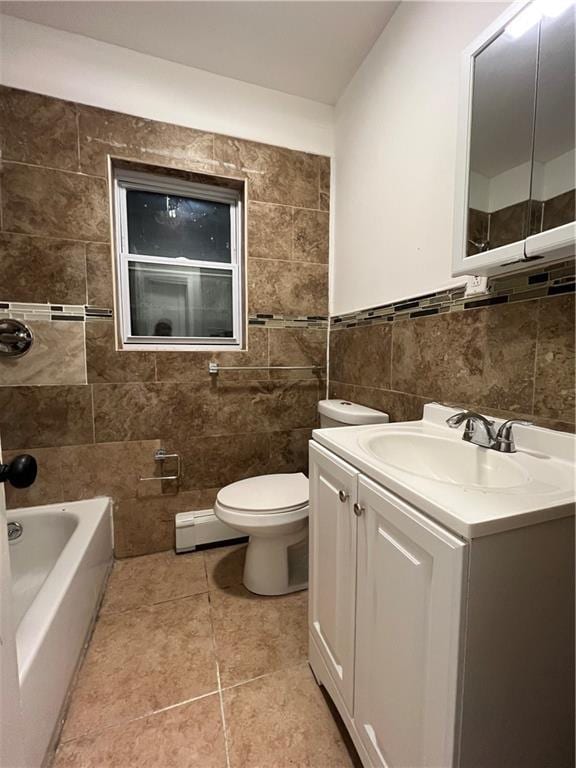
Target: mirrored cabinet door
{"points": [[515, 184], [501, 131], [553, 175]]}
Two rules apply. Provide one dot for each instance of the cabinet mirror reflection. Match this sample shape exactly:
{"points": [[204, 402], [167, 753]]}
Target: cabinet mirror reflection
{"points": [[522, 129]]}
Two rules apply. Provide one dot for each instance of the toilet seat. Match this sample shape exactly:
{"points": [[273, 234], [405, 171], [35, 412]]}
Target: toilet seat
{"points": [[273, 511], [266, 495]]}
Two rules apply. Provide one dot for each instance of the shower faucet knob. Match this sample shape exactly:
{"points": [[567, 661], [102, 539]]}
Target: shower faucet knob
{"points": [[21, 472]]}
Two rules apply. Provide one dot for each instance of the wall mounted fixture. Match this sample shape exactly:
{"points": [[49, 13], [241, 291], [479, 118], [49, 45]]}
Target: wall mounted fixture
{"points": [[161, 456], [15, 337], [215, 368]]}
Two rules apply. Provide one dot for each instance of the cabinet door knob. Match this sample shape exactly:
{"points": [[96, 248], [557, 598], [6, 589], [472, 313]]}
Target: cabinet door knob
{"points": [[358, 509], [343, 496]]}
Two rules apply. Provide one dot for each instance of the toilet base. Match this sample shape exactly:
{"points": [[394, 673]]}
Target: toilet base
{"points": [[278, 565]]}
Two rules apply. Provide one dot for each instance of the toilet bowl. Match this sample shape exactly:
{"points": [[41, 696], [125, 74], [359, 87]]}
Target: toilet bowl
{"points": [[273, 511]]}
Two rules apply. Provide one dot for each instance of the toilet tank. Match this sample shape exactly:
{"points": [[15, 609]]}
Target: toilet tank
{"points": [[342, 413]]}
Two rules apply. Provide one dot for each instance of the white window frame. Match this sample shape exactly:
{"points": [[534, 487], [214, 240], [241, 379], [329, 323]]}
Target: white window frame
{"points": [[125, 180]]}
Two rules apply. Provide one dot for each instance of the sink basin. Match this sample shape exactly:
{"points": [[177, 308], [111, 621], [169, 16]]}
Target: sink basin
{"points": [[445, 460]]}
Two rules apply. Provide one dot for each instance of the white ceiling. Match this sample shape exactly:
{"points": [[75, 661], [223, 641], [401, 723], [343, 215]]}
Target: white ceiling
{"points": [[310, 49]]}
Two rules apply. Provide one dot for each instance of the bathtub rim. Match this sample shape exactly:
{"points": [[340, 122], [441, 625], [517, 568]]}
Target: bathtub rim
{"points": [[36, 622]]}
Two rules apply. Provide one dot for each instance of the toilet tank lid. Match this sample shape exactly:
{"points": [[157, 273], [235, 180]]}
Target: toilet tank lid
{"points": [[351, 413]]}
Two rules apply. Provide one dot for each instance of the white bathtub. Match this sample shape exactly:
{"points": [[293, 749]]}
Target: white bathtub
{"points": [[59, 569]]}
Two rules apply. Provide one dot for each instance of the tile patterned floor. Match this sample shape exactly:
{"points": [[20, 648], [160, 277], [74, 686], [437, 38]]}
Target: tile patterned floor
{"points": [[186, 668]]}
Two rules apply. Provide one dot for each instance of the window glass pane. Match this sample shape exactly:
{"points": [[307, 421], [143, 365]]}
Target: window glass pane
{"points": [[173, 226], [174, 300]]}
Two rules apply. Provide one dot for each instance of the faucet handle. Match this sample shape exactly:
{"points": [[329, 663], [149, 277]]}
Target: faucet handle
{"points": [[457, 418], [505, 437]]}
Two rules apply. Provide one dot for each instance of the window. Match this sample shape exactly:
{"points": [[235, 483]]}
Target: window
{"points": [[179, 263]]}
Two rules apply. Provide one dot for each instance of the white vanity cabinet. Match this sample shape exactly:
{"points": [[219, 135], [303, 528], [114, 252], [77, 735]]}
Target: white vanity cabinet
{"points": [[437, 651], [409, 584], [333, 533]]}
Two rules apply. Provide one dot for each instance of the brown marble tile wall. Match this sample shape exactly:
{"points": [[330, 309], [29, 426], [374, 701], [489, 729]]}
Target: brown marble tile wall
{"points": [[512, 360], [93, 415]]}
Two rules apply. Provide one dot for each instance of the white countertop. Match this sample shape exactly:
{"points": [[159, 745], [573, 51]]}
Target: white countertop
{"points": [[546, 458]]}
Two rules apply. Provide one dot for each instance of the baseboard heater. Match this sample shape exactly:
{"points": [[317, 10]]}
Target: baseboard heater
{"points": [[201, 528]]}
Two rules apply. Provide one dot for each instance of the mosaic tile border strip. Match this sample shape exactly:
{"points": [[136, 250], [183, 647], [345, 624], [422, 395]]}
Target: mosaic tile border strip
{"points": [[507, 289], [82, 312], [53, 312], [286, 321]]}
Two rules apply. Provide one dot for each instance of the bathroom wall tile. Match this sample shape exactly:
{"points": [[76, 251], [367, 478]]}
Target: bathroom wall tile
{"points": [[46, 489], [99, 281], [103, 133], [188, 735], [266, 406], [58, 267], [140, 661], [40, 201], [193, 367], [146, 525], [440, 357], [349, 361], [478, 227], [56, 357], [539, 421], [509, 224], [275, 174], [142, 581], [297, 346], [108, 469], [226, 461], [38, 129], [225, 566], [555, 361], [399, 406], [269, 231], [38, 417], [105, 364], [146, 411], [289, 451], [309, 734], [311, 236], [301, 289], [508, 356], [324, 163], [559, 210], [241, 407], [293, 405], [257, 635]]}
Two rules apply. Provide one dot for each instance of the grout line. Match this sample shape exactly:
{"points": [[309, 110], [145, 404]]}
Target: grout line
{"points": [[222, 713], [288, 261], [52, 168], [93, 410], [145, 606], [123, 722], [262, 676], [290, 205], [54, 237], [221, 698]]}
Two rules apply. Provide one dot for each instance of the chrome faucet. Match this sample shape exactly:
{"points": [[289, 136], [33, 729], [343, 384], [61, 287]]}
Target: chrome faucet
{"points": [[505, 437], [480, 431]]}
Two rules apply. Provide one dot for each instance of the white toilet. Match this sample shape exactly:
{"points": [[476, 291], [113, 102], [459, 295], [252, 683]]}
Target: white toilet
{"points": [[273, 511]]}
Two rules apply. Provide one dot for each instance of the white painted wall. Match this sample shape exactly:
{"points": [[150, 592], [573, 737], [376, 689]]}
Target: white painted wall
{"points": [[396, 154], [38, 58]]}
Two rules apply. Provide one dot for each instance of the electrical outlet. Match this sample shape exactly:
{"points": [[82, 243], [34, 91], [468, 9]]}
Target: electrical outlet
{"points": [[475, 285]]}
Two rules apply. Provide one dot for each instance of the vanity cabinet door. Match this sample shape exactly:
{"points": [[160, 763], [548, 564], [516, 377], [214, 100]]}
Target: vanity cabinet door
{"points": [[554, 166], [409, 588], [332, 573]]}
